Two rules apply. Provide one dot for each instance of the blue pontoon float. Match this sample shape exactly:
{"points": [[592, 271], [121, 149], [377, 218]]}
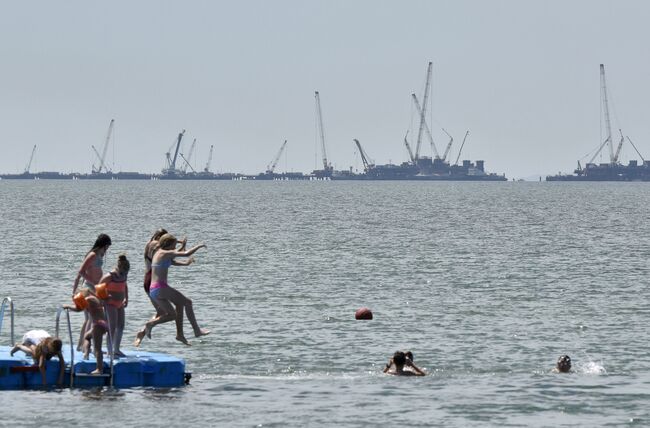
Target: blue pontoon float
{"points": [[137, 369]]}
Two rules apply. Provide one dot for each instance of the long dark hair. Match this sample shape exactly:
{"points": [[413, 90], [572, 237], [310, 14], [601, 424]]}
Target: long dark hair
{"points": [[102, 241], [156, 236]]}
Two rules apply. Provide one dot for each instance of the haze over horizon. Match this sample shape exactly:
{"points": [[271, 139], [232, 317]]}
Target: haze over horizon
{"points": [[521, 76]]}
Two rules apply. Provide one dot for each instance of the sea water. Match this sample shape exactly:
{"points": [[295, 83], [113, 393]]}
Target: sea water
{"points": [[486, 283]]}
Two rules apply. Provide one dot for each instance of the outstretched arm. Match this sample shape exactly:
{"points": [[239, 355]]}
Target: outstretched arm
{"points": [[388, 365], [188, 252], [61, 368], [72, 308], [416, 369], [183, 262], [41, 368]]}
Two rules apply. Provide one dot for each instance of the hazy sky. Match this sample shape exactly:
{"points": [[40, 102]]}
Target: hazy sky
{"points": [[522, 76]]}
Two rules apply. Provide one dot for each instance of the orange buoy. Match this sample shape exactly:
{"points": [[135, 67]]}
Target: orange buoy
{"points": [[363, 314], [101, 291], [80, 301]]}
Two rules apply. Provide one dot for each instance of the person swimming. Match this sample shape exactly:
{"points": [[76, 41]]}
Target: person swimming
{"points": [[400, 361], [563, 364]]}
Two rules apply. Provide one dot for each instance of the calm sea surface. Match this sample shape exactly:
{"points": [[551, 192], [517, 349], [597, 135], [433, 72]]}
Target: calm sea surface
{"points": [[487, 284]]}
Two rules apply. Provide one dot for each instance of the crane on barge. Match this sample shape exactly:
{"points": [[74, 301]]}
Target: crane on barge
{"points": [[102, 158], [270, 168], [425, 100], [31, 158], [207, 164], [367, 163], [170, 169], [327, 167]]}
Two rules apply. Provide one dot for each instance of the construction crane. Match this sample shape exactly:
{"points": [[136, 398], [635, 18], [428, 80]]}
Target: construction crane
{"points": [[189, 156], [637, 150], [102, 157], [461, 148], [367, 163], [408, 148], [31, 158], [207, 164], [171, 161], [271, 167], [319, 113], [425, 100], [426, 127], [606, 112], [620, 145], [186, 164], [451, 140]]}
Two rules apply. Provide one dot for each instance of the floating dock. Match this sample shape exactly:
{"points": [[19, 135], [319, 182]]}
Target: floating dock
{"points": [[137, 369]]}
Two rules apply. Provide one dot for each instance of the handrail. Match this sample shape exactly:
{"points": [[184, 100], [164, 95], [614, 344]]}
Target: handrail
{"points": [[2, 317], [56, 334]]}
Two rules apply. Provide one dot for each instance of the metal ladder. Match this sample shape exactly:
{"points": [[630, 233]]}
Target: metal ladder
{"points": [[5, 301], [110, 348]]}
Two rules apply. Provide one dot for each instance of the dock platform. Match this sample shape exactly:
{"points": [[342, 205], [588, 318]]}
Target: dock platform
{"points": [[137, 369]]}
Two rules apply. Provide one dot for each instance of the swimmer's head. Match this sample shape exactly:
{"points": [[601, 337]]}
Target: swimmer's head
{"points": [[408, 355], [158, 233], [123, 264], [399, 358], [167, 241], [102, 241], [563, 364]]}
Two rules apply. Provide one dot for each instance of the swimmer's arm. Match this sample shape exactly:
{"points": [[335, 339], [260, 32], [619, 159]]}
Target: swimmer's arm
{"points": [[183, 262], [89, 258], [388, 365], [183, 243], [72, 308], [126, 295], [61, 368], [41, 368], [188, 252], [416, 370]]}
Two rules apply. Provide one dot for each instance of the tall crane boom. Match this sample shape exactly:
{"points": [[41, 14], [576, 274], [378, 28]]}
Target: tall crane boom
{"points": [[189, 157], [319, 114], [186, 163], [620, 145], [171, 162], [606, 112], [31, 158], [408, 148], [207, 164], [461, 148], [451, 140], [426, 127], [367, 163], [425, 100], [271, 167], [102, 157]]}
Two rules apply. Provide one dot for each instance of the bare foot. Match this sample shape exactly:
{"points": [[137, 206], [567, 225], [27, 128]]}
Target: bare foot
{"points": [[138, 338], [119, 354], [96, 372], [202, 332], [183, 340]]}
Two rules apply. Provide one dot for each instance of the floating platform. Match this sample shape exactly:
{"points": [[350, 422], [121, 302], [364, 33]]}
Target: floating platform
{"points": [[137, 369]]}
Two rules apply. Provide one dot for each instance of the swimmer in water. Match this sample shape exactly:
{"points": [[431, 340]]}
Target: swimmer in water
{"points": [[563, 364], [118, 299], [171, 301], [91, 272], [42, 347], [400, 361], [99, 327]]}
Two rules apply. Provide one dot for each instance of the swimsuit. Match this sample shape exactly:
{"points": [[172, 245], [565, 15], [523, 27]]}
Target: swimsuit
{"points": [[34, 337], [155, 288], [98, 263], [164, 264], [101, 323]]}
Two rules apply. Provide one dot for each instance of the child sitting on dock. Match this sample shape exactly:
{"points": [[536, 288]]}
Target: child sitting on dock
{"points": [[118, 297], [99, 327], [41, 347]]}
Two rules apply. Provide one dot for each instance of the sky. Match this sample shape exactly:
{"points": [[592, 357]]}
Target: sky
{"points": [[522, 76]]}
